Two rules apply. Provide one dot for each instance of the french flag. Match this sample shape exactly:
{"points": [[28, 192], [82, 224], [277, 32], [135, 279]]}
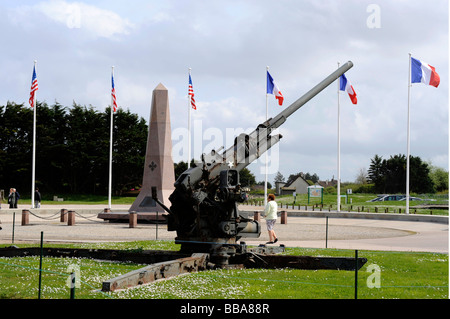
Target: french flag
{"points": [[272, 88], [422, 72], [345, 85]]}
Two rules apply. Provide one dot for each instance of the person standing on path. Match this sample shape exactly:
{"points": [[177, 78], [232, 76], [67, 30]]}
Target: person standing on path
{"points": [[11, 198], [270, 214], [37, 198], [17, 197]]}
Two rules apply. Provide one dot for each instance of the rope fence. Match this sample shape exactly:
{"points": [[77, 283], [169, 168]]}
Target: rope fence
{"points": [[64, 216], [69, 217]]}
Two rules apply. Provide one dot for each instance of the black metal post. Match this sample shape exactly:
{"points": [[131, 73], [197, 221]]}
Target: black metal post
{"points": [[356, 274], [40, 264], [72, 285]]}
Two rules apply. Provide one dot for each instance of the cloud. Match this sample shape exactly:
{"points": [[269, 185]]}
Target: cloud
{"points": [[77, 15]]}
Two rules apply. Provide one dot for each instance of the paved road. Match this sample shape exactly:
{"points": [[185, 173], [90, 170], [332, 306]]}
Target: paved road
{"points": [[305, 231]]}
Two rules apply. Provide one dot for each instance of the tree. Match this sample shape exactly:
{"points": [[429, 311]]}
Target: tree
{"points": [[72, 148], [129, 147], [394, 171], [51, 147], [246, 178], [389, 176], [16, 140], [278, 178], [361, 177], [269, 186], [439, 176], [180, 168], [88, 143], [375, 173], [420, 180]]}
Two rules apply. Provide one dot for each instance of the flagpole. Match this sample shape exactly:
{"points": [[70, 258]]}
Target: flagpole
{"points": [[265, 165], [408, 137], [34, 147], [189, 126], [111, 145], [339, 149]]}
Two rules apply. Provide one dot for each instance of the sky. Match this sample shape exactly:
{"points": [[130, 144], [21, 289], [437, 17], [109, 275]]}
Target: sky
{"points": [[228, 45]]}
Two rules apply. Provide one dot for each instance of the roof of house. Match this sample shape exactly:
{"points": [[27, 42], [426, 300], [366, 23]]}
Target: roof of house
{"points": [[292, 180]]}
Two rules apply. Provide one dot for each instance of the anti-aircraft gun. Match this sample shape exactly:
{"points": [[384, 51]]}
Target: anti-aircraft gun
{"points": [[204, 210]]}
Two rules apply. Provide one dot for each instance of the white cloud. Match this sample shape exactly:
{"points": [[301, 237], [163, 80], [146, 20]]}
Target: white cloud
{"points": [[77, 15]]}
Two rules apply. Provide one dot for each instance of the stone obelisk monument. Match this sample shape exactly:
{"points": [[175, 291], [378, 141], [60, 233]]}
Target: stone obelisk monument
{"points": [[158, 168]]}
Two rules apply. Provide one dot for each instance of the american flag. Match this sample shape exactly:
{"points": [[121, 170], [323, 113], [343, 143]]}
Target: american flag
{"points": [[113, 95], [34, 87], [191, 93]]}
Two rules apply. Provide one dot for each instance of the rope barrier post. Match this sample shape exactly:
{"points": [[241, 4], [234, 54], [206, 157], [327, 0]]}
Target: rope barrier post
{"points": [[356, 274], [157, 222], [40, 264], [13, 226], [284, 217], [25, 217], [71, 219], [133, 219], [63, 218]]}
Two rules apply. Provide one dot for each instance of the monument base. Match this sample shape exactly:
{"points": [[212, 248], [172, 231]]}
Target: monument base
{"points": [[142, 217]]}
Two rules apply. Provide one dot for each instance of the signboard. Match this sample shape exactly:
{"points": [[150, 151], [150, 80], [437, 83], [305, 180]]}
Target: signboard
{"points": [[315, 191]]}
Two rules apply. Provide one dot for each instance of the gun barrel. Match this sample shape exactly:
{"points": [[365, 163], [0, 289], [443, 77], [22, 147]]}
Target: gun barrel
{"points": [[251, 146], [282, 116]]}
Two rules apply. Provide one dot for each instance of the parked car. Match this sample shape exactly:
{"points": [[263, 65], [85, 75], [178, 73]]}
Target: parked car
{"points": [[383, 198], [412, 198]]}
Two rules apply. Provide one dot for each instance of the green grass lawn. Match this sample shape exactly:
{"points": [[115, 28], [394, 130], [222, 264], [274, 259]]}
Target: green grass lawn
{"points": [[91, 200], [404, 275]]}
